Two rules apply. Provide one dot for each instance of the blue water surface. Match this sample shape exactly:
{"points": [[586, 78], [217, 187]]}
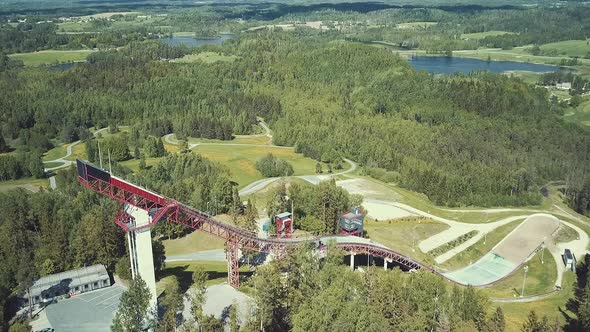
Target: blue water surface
{"points": [[451, 65]]}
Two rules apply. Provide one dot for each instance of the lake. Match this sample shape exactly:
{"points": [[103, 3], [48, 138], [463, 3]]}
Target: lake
{"points": [[194, 42], [451, 65]]}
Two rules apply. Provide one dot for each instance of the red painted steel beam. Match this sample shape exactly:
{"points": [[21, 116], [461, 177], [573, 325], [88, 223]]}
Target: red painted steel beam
{"points": [[164, 208]]}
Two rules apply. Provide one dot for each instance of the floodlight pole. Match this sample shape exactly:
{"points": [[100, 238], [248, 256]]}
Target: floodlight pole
{"points": [[526, 269]]}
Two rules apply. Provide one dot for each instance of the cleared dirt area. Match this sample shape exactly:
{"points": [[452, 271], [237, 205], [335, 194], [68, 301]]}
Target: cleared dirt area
{"points": [[527, 237]]}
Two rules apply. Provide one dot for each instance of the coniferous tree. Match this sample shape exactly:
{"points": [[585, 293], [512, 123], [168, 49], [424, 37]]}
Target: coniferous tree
{"points": [[133, 312]]}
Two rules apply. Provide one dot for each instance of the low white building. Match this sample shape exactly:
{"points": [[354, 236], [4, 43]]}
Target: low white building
{"points": [[81, 280], [564, 86]]}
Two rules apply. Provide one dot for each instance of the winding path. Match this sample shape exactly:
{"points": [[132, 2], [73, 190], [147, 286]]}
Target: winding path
{"points": [[62, 160]]}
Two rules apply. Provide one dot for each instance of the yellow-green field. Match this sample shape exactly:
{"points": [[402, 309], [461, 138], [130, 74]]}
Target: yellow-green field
{"points": [[193, 242], [51, 57], [481, 35], [241, 160], [579, 48], [207, 57], [403, 235]]}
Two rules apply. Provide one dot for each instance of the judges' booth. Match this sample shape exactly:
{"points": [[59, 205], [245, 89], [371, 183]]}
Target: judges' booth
{"points": [[351, 223]]}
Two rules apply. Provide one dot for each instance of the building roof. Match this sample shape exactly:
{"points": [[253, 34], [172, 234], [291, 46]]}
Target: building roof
{"points": [[284, 215], [71, 278], [351, 215]]}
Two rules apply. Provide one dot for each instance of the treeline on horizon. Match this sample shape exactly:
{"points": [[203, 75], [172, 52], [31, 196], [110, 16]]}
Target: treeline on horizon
{"points": [[369, 22]]}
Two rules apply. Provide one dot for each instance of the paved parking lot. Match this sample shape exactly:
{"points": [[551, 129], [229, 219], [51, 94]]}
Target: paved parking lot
{"points": [[93, 311]]}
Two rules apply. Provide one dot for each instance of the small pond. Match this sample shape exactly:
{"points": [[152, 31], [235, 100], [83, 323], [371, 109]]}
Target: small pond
{"points": [[451, 65]]}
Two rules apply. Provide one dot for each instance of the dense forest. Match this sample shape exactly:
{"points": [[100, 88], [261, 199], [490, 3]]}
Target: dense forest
{"points": [[479, 139]]}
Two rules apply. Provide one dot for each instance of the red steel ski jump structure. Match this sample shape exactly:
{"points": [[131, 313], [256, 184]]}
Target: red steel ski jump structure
{"points": [[163, 208]]}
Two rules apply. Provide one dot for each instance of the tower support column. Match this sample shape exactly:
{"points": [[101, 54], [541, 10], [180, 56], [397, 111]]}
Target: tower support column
{"points": [[233, 265], [352, 261], [141, 254]]}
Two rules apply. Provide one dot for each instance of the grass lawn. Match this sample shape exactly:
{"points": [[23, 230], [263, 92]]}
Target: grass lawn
{"points": [[481, 35], [50, 57], [30, 184], [260, 140], [571, 48], [403, 235], [527, 76], [184, 272], [51, 164], [193, 242], [540, 279], [55, 153], [476, 251], [73, 26], [207, 57], [133, 164], [516, 313], [241, 160], [78, 152]]}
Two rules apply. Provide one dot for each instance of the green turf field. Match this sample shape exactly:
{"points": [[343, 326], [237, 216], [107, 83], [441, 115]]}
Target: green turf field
{"points": [[51, 57]]}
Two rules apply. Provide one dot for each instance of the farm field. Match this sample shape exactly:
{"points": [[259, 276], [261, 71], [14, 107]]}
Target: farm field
{"points": [[51, 57], [241, 160], [571, 48], [415, 25], [207, 57], [481, 35], [30, 184]]}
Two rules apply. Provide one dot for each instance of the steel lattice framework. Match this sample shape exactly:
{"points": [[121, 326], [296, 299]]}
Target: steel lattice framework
{"points": [[163, 208]]}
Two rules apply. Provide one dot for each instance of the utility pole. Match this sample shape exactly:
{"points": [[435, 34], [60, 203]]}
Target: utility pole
{"points": [[526, 269]]}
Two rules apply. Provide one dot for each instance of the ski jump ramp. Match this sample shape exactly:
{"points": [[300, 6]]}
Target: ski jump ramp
{"points": [[510, 253]]}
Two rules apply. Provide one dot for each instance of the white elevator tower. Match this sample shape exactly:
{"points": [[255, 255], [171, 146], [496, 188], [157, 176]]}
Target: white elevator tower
{"points": [[140, 251]]}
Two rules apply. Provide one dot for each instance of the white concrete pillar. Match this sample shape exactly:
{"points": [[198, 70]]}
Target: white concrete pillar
{"points": [[132, 259], [352, 261], [142, 252], [385, 264]]}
